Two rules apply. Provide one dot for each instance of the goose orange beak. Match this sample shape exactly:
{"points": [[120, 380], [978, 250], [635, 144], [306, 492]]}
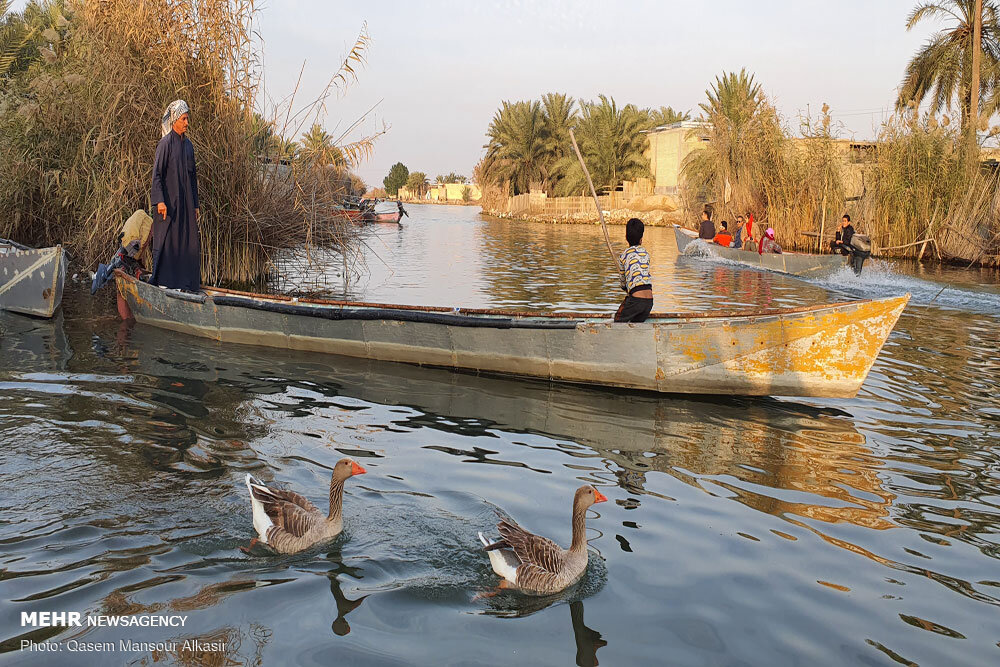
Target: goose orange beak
{"points": [[600, 497], [356, 469]]}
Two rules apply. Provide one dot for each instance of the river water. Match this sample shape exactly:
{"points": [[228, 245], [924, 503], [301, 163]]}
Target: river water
{"points": [[738, 531]]}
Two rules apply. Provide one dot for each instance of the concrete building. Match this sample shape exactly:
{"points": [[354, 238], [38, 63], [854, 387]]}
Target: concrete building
{"points": [[670, 144], [444, 192]]}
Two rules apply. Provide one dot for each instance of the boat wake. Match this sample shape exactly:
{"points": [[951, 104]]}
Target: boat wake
{"points": [[881, 279]]}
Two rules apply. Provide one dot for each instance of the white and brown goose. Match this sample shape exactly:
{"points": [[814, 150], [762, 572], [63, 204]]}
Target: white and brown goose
{"points": [[288, 522], [536, 564]]}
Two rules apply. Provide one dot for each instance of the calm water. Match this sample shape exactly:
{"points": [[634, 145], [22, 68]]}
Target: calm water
{"points": [[738, 531]]}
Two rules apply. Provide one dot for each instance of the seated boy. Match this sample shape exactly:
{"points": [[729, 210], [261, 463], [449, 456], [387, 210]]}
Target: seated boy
{"points": [[635, 276], [723, 238]]}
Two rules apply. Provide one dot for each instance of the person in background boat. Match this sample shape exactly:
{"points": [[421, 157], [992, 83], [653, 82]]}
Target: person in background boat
{"points": [[768, 244], [749, 242], [842, 242], [707, 229], [174, 194], [723, 238], [741, 222], [635, 276]]}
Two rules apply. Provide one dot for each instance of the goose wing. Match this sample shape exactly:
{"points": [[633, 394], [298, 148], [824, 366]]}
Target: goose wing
{"points": [[288, 511], [535, 552]]}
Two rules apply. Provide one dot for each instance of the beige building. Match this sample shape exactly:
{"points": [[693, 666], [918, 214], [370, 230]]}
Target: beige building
{"points": [[444, 192], [670, 144]]}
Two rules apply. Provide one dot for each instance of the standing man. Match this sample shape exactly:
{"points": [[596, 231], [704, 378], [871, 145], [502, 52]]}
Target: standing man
{"points": [[176, 241], [842, 242]]}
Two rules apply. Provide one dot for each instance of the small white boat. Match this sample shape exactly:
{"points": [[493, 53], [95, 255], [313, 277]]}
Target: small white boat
{"points": [[31, 280]]}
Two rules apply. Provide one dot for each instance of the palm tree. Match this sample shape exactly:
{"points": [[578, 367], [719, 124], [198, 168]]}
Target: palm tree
{"points": [[666, 116], [612, 143], [281, 149], [560, 116], [518, 145], [942, 68], [746, 144], [318, 148], [417, 183], [13, 37]]}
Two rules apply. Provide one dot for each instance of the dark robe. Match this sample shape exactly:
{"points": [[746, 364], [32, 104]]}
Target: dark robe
{"points": [[176, 244]]}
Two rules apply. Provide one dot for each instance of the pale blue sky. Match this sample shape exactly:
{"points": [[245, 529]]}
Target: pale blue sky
{"points": [[441, 68]]}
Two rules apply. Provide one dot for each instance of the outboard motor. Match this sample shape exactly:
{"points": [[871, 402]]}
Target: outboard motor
{"points": [[132, 239], [861, 249]]}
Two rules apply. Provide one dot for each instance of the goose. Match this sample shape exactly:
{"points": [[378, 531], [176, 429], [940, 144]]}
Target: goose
{"points": [[288, 522], [536, 564]]}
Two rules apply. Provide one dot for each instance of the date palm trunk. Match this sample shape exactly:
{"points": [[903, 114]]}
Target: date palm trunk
{"points": [[977, 48]]}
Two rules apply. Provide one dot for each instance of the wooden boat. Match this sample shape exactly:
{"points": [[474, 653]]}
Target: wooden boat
{"points": [[31, 280], [388, 216], [822, 350], [367, 216], [792, 263]]}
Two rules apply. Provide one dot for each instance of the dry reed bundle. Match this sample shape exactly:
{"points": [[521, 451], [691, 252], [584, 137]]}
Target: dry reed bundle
{"points": [[919, 187], [495, 190], [78, 133]]}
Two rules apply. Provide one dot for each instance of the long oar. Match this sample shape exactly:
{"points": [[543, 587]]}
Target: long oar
{"points": [[597, 202]]}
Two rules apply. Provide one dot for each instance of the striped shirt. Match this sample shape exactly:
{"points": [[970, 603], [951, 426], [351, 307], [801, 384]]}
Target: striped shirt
{"points": [[635, 268]]}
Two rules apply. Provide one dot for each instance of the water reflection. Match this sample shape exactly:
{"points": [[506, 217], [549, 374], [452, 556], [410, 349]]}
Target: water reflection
{"points": [[861, 529], [587, 640], [33, 344], [345, 605]]}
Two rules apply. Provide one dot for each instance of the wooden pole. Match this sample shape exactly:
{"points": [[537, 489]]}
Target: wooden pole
{"points": [[597, 202], [822, 226], [977, 47]]}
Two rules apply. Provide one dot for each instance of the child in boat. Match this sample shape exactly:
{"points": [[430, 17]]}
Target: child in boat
{"points": [[723, 238], [635, 276]]}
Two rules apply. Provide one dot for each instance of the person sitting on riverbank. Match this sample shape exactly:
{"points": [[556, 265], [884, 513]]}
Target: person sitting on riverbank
{"points": [[723, 238], [842, 242], [635, 276], [707, 229], [768, 244]]}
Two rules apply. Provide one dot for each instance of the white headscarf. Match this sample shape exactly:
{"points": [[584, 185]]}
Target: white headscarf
{"points": [[176, 109]]}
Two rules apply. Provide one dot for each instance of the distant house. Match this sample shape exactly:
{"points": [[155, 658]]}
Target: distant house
{"points": [[670, 144], [444, 192]]}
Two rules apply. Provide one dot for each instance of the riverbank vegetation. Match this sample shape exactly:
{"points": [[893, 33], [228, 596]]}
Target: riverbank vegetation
{"points": [[82, 90], [924, 187], [913, 186], [529, 145]]}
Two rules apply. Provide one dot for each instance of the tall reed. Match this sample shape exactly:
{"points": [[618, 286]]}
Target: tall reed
{"points": [[78, 132]]}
